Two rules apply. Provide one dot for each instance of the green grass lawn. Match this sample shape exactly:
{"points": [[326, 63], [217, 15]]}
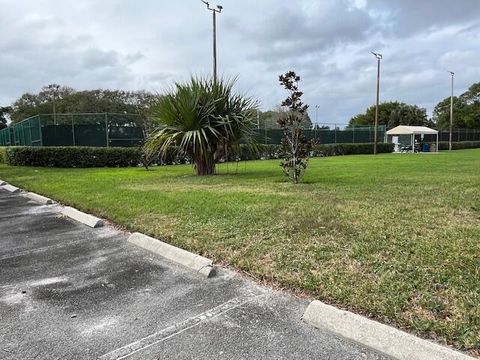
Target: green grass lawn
{"points": [[396, 237]]}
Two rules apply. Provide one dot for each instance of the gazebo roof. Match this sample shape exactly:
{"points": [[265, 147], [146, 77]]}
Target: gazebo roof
{"points": [[410, 130]]}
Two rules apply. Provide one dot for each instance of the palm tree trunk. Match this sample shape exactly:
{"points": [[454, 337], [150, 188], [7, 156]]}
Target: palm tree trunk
{"points": [[204, 166]]}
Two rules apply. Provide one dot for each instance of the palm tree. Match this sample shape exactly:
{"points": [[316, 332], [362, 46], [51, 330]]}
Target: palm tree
{"points": [[204, 120]]}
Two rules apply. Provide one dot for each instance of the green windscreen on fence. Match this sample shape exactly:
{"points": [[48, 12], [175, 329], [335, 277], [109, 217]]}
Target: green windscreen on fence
{"points": [[99, 130], [6, 137], [108, 129], [363, 134], [28, 132]]}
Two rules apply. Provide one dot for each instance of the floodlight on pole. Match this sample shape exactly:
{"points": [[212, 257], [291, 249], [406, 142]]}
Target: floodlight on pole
{"points": [[379, 58], [218, 9], [451, 113]]}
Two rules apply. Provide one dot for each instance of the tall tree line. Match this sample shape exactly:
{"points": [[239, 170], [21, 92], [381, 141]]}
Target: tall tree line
{"points": [[466, 108], [68, 100]]}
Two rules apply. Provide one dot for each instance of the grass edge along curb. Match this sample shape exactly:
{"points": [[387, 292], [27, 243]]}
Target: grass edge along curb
{"points": [[183, 257], [372, 334]]}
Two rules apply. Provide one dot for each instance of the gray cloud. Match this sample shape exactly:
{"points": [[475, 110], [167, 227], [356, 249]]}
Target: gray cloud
{"points": [[117, 44]]}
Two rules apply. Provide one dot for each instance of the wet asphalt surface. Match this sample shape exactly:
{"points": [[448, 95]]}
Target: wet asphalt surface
{"points": [[71, 292]]}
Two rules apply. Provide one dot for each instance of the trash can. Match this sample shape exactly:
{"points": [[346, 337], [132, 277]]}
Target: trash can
{"points": [[426, 148]]}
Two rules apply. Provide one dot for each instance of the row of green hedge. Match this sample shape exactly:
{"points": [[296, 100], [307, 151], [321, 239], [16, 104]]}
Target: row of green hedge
{"points": [[82, 157], [71, 157], [275, 151], [3, 155], [459, 145]]}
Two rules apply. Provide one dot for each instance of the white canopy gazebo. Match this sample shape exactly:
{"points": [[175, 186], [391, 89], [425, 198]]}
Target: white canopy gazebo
{"points": [[412, 131]]}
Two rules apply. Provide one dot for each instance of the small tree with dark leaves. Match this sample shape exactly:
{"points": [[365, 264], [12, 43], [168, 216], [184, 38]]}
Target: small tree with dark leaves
{"points": [[295, 146]]}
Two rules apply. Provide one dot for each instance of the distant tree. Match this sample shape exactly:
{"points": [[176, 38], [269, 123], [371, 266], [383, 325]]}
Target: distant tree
{"points": [[4, 113], [409, 115], [392, 114], [269, 119], [321, 127], [296, 148], [68, 100], [466, 110]]}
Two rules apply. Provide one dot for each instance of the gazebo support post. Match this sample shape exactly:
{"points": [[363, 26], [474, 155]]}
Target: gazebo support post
{"points": [[437, 143]]}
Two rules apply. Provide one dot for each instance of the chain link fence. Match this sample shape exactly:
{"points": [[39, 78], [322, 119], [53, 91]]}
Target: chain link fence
{"points": [[125, 130], [363, 134], [98, 130]]}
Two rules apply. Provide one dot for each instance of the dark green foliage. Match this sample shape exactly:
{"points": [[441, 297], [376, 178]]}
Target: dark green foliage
{"points": [[3, 155], [350, 149], [459, 145], [266, 152], [68, 100], [319, 150], [72, 157], [466, 110], [296, 147], [392, 114]]}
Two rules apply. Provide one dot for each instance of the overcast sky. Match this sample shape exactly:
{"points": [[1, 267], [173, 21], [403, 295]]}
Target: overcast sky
{"points": [[148, 44]]}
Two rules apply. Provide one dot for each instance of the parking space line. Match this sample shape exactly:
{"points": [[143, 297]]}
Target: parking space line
{"points": [[178, 328]]}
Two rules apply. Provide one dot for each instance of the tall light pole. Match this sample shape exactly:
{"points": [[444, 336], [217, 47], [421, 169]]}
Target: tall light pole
{"points": [[451, 113], [316, 120], [55, 89], [214, 11], [379, 57]]}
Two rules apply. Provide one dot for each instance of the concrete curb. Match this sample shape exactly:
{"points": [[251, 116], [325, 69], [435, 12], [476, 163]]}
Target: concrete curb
{"points": [[192, 261], [3, 183], [39, 198], [11, 188], [79, 216], [383, 338]]}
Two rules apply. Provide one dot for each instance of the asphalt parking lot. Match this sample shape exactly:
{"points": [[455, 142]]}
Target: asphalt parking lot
{"points": [[71, 292]]}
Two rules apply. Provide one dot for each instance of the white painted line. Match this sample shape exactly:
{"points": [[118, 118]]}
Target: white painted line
{"points": [[380, 337], [192, 261], [39, 198], [86, 219], [177, 328], [11, 188]]}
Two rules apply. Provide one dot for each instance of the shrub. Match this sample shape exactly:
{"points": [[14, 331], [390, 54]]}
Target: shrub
{"points": [[203, 120], [3, 155], [459, 145], [275, 151], [73, 157], [351, 149]]}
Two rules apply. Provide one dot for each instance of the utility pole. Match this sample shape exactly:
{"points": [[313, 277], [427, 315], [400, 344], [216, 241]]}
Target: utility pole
{"points": [[55, 88], [214, 11], [379, 57], [451, 114]]}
